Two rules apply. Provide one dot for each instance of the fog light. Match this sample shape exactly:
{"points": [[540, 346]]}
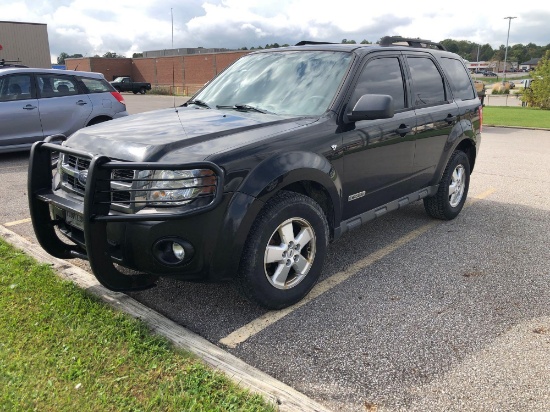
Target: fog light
{"points": [[179, 251], [173, 251]]}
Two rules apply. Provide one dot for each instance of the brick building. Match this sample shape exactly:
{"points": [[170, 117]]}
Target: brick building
{"points": [[184, 74]]}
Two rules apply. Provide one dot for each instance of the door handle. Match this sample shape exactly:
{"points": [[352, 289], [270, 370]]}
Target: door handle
{"points": [[29, 107], [81, 103], [450, 118], [403, 129]]}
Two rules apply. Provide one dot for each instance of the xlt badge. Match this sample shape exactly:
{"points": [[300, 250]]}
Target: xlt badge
{"points": [[356, 196]]}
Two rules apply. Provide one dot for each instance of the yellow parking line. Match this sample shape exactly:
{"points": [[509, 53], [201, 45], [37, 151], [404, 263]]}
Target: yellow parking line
{"points": [[257, 325], [17, 222]]}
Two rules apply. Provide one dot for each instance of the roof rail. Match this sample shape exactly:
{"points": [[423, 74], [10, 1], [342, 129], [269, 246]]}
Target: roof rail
{"points": [[306, 42], [419, 43]]}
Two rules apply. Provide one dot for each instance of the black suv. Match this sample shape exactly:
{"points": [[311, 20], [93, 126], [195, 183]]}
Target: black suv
{"points": [[280, 154]]}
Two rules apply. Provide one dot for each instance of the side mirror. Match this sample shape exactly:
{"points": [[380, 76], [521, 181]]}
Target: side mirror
{"points": [[372, 107]]}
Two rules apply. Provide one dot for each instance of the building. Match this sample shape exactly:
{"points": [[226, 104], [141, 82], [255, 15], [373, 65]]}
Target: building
{"points": [[530, 64], [184, 74], [25, 43], [182, 51]]}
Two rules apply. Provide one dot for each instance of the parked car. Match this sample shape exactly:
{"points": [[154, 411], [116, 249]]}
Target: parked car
{"points": [[125, 84], [283, 152], [36, 103], [490, 74]]}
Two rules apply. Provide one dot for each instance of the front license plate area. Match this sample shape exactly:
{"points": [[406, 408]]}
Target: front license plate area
{"points": [[74, 219]]}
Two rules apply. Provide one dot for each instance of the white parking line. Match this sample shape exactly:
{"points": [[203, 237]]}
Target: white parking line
{"points": [[257, 325], [17, 222]]}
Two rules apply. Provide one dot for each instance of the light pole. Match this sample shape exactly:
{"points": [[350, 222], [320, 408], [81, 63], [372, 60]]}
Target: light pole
{"points": [[506, 51]]}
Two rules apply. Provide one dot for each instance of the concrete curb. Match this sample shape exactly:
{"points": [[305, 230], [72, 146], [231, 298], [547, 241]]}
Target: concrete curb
{"points": [[279, 394]]}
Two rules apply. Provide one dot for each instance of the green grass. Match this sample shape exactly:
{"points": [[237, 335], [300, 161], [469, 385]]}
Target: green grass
{"points": [[61, 349], [516, 116]]}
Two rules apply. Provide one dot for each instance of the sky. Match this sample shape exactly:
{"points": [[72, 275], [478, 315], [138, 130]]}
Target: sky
{"points": [[91, 27]]}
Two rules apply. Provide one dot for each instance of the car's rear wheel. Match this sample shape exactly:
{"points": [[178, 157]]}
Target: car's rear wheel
{"points": [[453, 188], [284, 253]]}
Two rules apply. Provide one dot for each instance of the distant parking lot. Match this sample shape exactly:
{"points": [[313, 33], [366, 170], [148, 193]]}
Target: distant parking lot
{"points": [[411, 313]]}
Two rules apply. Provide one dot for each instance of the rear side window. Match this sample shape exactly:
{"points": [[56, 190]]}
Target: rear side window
{"points": [[382, 76], [56, 85], [459, 79], [428, 85], [96, 85]]}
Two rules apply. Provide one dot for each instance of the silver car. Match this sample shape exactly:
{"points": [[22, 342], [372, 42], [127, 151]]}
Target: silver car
{"points": [[36, 103]]}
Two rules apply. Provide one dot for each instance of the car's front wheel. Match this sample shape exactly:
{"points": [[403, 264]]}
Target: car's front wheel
{"points": [[453, 188], [284, 253]]}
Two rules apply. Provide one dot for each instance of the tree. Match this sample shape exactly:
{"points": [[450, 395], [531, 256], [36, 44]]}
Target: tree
{"points": [[364, 41], [135, 55], [62, 56], [346, 41], [538, 95], [112, 55]]}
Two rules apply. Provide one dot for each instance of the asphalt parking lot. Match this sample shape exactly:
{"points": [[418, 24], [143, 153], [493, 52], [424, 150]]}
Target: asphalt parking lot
{"points": [[411, 314]]}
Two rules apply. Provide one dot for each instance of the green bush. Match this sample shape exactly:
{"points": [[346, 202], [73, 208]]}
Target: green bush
{"points": [[538, 94]]}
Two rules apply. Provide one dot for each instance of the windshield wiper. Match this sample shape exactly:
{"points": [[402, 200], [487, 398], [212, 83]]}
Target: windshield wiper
{"points": [[198, 103], [244, 107]]}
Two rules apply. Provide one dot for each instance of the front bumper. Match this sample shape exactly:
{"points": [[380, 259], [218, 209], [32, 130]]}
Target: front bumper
{"points": [[106, 237]]}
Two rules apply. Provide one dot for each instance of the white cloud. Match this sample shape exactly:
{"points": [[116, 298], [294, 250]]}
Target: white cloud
{"points": [[127, 26]]}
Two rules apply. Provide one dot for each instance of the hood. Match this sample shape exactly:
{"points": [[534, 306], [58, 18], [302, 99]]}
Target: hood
{"points": [[201, 132]]}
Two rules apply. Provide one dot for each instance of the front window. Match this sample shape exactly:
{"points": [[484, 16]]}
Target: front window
{"points": [[287, 83]]}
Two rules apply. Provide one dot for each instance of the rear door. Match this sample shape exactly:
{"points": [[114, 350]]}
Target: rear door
{"points": [[64, 108], [19, 116], [437, 116]]}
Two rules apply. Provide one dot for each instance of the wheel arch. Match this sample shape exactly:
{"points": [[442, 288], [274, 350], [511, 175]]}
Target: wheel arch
{"points": [[302, 172], [98, 119], [467, 146]]}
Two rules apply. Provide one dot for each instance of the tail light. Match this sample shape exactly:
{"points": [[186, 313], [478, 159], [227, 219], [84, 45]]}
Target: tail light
{"points": [[480, 119], [119, 97]]}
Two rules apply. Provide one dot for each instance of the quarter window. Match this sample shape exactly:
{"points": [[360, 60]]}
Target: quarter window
{"points": [[428, 85], [96, 85], [459, 79], [382, 76]]}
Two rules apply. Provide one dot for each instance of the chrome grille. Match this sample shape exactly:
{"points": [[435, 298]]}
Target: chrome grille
{"points": [[73, 175]]}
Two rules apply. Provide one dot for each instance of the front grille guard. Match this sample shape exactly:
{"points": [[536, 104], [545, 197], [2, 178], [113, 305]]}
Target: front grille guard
{"points": [[95, 210]]}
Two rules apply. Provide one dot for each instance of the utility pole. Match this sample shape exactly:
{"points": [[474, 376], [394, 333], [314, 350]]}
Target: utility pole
{"points": [[506, 51]]}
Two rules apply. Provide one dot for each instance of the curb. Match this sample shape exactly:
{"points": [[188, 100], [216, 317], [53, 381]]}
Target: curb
{"points": [[282, 396], [517, 127]]}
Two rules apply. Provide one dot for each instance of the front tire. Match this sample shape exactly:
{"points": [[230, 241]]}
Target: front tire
{"points": [[283, 256], [142, 90], [447, 203]]}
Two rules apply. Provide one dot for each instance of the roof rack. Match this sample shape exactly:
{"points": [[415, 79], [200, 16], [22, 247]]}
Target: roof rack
{"points": [[419, 43], [306, 42], [10, 63]]}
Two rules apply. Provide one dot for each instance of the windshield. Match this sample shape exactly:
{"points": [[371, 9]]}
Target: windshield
{"points": [[119, 79], [287, 83]]}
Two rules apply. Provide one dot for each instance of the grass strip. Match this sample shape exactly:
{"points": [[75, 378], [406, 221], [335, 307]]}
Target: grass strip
{"points": [[516, 116], [61, 349]]}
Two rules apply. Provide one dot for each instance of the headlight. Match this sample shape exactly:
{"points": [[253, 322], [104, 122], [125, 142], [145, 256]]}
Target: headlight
{"points": [[179, 187]]}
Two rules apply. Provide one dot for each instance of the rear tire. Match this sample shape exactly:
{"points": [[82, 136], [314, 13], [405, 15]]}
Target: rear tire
{"points": [[447, 203], [283, 256]]}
